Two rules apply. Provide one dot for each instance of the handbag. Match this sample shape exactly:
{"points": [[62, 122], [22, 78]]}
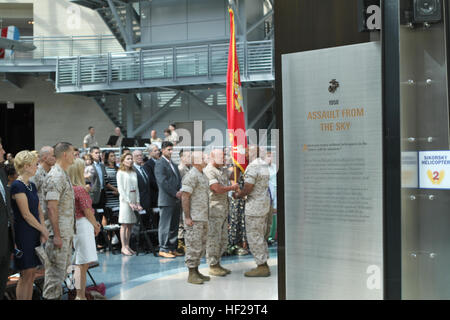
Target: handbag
{"points": [[97, 291]]}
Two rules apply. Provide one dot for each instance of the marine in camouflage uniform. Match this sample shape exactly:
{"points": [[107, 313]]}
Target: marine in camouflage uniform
{"points": [[38, 179], [183, 169], [47, 161], [57, 186], [195, 199], [257, 211], [219, 186]]}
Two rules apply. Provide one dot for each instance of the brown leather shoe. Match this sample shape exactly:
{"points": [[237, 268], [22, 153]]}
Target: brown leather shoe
{"points": [[166, 254], [177, 253]]}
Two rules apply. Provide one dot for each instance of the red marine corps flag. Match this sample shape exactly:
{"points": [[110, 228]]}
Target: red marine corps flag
{"points": [[235, 107]]}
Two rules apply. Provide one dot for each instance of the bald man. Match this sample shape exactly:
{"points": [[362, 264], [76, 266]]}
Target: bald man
{"points": [[154, 137], [46, 161], [118, 133], [257, 210], [195, 200], [219, 186]]}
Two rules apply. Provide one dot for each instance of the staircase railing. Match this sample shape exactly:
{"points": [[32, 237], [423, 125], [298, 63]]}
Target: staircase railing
{"points": [[51, 47], [209, 60]]}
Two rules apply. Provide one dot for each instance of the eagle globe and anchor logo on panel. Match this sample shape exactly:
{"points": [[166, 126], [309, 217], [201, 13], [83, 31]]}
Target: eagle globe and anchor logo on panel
{"points": [[334, 85]]}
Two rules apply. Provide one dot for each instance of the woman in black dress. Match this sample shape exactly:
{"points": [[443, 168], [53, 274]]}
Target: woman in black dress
{"points": [[29, 224]]}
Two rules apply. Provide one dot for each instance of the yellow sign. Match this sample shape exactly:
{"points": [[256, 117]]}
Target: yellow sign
{"points": [[436, 177]]}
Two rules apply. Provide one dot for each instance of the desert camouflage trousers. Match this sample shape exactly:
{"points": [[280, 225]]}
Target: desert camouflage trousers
{"points": [[258, 230], [217, 239], [195, 240], [181, 230], [56, 271]]}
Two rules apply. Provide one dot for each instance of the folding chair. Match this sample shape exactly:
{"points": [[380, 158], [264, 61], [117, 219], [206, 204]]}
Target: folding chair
{"points": [[111, 229], [143, 232]]}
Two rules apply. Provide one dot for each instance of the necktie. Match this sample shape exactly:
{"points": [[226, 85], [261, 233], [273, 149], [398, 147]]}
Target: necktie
{"points": [[143, 174], [173, 169], [2, 191], [100, 173]]}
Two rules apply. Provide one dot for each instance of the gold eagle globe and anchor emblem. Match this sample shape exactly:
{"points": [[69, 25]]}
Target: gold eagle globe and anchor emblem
{"points": [[334, 84]]}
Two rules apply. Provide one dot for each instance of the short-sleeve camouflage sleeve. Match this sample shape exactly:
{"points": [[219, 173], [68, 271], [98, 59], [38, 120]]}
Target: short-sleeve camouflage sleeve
{"points": [[53, 187], [86, 139], [250, 174], [211, 175], [188, 183]]}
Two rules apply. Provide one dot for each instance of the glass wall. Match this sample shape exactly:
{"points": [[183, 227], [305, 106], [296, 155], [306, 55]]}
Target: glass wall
{"points": [[425, 150]]}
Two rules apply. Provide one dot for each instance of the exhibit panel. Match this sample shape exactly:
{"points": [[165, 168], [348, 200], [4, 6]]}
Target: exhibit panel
{"points": [[333, 173], [424, 122]]}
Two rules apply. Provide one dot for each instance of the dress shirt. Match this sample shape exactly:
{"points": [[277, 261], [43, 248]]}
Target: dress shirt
{"points": [[170, 162], [142, 171], [98, 168]]}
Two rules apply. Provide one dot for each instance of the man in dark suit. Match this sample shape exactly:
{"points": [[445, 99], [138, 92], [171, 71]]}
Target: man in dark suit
{"points": [[98, 191], [153, 152], [6, 229], [169, 183], [143, 180]]}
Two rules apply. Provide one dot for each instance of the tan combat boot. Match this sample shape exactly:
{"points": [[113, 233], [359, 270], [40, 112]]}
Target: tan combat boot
{"points": [[203, 277], [193, 277], [225, 269], [260, 271], [215, 270]]}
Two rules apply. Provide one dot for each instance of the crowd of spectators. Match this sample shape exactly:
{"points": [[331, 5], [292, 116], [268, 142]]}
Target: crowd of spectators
{"points": [[61, 198]]}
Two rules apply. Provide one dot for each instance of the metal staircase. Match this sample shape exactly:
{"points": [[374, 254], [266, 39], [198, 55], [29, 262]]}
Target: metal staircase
{"points": [[123, 20], [130, 78], [114, 111], [129, 24]]}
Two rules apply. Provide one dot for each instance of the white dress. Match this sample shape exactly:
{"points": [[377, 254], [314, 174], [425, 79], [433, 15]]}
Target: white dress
{"points": [[127, 184]]}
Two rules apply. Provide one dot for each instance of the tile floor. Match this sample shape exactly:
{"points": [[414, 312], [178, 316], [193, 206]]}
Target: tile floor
{"points": [[146, 277]]}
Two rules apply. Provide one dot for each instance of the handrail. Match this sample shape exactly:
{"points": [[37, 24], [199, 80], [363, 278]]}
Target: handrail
{"points": [[54, 46], [255, 57]]}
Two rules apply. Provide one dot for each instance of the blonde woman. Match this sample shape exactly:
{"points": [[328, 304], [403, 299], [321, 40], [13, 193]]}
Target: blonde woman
{"points": [[87, 228], [29, 224], [127, 184]]}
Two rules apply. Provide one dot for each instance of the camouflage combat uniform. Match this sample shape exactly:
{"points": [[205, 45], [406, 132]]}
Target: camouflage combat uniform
{"points": [[218, 216], [196, 183], [38, 179], [57, 186], [183, 169], [257, 209]]}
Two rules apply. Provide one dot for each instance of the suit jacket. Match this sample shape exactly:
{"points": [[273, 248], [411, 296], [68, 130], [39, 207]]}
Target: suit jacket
{"points": [[6, 234], [144, 189], [169, 183], [96, 186], [150, 167]]}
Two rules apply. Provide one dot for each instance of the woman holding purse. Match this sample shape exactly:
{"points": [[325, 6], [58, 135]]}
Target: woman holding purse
{"points": [[29, 224], [87, 228]]}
